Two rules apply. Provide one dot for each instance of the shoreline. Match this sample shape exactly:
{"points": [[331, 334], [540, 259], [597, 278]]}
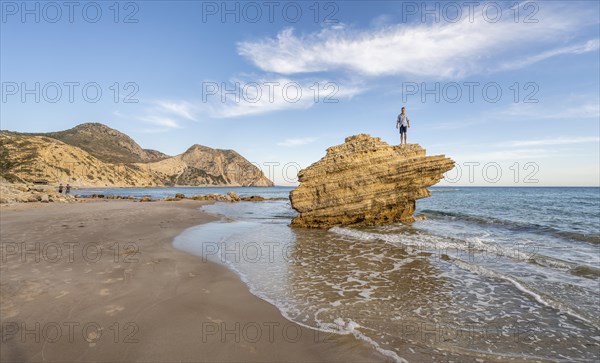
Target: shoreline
{"points": [[101, 281]]}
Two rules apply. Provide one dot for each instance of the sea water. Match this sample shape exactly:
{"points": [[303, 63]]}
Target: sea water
{"points": [[492, 274], [165, 192]]}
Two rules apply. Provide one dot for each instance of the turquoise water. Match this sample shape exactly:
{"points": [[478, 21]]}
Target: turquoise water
{"points": [[493, 274]]}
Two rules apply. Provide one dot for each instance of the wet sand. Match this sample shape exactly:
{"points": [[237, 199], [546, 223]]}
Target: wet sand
{"points": [[101, 281]]}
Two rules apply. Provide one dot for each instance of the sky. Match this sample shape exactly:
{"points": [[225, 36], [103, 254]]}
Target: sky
{"points": [[508, 90]]}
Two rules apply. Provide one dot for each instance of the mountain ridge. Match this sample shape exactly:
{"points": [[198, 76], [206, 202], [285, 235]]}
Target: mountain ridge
{"points": [[105, 143], [93, 154]]}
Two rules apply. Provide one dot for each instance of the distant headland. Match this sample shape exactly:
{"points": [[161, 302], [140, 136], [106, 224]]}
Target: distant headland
{"points": [[95, 155]]}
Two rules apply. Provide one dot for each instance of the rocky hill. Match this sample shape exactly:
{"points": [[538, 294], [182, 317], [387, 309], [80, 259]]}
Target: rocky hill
{"points": [[96, 155], [106, 144], [30, 158], [365, 181], [201, 165]]}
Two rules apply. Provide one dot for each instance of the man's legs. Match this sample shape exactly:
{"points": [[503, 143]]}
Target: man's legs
{"points": [[405, 134], [402, 134]]}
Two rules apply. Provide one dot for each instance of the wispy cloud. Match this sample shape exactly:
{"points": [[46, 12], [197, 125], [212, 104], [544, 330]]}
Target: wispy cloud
{"points": [[589, 109], [248, 96], [276, 94], [163, 115], [589, 46], [160, 121], [297, 142], [345, 58], [154, 130], [506, 154], [582, 107], [455, 124], [554, 141], [181, 109], [448, 50], [524, 149]]}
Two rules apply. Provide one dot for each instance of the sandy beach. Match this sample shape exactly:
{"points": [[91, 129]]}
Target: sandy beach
{"points": [[101, 281]]}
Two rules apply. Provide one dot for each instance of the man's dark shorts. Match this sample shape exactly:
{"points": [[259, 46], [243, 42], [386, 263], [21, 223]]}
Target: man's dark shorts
{"points": [[402, 129]]}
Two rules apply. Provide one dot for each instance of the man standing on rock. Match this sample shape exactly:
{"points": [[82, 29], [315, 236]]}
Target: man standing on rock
{"points": [[404, 124]]}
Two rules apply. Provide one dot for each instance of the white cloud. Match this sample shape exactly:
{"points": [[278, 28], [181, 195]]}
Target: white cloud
{"points": [[589, 46], [163, 115], [556, 111], [118, 114], [248, 97], [254, 97], [182, 109], [160, 121], [447, 50], [455, 124], [503, 155], [444, 50], [156, 130], [524, 149], [297, 142], [555, 141]]}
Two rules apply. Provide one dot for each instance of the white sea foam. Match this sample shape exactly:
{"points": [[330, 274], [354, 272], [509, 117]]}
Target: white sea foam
{"points": [[348, 326], [478, 246], [352, 287], [366, 293], [522, 287], [189, 242]]}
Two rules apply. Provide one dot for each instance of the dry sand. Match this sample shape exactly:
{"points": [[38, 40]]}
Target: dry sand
{"points": [[101, 281]]}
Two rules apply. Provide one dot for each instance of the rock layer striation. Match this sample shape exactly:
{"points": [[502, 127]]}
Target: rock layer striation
{"points": [[365, 181]]}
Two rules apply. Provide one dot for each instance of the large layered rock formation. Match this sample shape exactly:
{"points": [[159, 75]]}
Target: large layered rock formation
{"points": [[365, 181]]}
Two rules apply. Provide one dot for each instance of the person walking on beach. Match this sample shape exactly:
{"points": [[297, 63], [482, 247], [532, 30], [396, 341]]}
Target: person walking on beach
{"points": [[60, 188], [68, 189], [404, 123]]}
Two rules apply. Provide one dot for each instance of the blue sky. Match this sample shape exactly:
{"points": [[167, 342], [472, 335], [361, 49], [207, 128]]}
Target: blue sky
{"points": [[179, 59]]}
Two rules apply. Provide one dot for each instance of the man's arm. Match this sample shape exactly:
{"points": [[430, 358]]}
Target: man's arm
{"points": [[408, 122]]}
